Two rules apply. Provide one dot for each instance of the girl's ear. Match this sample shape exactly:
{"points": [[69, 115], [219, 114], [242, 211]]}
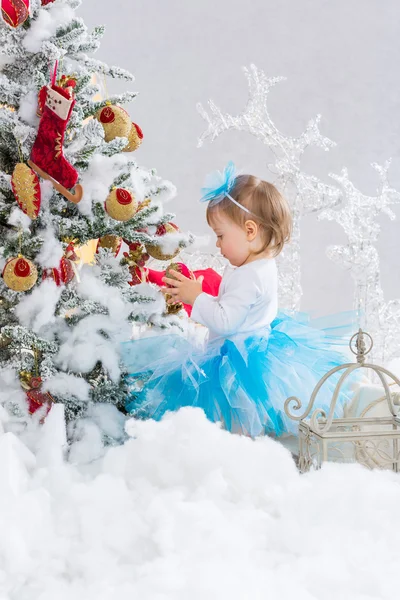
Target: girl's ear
{"points": [[251, 230]]}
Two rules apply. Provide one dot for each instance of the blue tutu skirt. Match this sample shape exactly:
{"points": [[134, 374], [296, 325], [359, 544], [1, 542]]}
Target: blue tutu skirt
{"points": [[243, 381]]}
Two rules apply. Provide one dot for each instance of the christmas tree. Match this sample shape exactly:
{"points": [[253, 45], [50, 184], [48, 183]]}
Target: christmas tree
{"points": [[68, 175]]}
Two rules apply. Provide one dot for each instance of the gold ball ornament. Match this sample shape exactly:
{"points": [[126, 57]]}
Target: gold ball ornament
{"points": [[4, 340], [121, 204], [26, 189], [156, 251], [180, 268], [173, 309], [20, 274], [115, 121], [112, 242], [135, 138], [4, 303]]}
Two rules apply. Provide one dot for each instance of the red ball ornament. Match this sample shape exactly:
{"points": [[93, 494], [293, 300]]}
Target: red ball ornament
{"points": [[15, 12], [46, 2]]}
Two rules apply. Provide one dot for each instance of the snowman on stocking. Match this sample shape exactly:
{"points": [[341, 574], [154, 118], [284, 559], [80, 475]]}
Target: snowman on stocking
{"points": [[56, 103]]}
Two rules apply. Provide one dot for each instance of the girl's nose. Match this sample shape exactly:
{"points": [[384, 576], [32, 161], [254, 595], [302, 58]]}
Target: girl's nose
{"points": [[217, 244]]}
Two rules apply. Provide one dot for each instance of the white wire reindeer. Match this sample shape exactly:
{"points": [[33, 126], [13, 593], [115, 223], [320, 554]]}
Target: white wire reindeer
{"points": [[359, 219]]}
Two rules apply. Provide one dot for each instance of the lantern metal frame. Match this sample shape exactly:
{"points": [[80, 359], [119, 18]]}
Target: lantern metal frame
{"points": [[371, 441]]}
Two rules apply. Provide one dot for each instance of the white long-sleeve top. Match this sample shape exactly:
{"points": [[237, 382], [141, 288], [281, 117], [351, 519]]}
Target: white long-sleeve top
{"points": [[247, 300]]}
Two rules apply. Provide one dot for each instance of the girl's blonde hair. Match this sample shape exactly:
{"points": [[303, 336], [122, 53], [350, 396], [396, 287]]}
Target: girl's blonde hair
{"points": [[269, 209]]}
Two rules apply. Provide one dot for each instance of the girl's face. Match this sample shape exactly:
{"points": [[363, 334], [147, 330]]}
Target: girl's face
{"points": [[232, 239]]}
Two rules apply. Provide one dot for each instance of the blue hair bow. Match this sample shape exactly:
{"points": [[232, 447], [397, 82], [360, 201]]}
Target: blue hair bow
{"points": [[218, 185]]}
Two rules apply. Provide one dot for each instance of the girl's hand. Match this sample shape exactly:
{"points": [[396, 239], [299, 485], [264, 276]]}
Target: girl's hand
{"points": [[182, 288]]}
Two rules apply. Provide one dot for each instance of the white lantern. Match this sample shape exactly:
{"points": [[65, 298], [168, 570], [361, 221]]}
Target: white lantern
{"points": [[372, 441]]}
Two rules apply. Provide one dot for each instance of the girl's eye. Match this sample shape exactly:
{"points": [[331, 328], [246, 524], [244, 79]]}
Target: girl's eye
{"points": [[219, 237]]}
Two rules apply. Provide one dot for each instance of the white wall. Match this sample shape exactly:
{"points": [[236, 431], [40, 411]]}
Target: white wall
{"points": [[341, 59]]}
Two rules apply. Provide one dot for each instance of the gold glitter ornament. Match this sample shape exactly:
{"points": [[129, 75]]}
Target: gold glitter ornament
{"points": [[115, 121], [4, 340], [155, 250], [173, 309], [20, 274], [135, 138], [144, 204], [180, 268], [121, 204], [26, 189], [70, 240], [112, 242], [4, 303]]}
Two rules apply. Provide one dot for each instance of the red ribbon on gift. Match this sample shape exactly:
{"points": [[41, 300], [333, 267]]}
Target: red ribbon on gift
{"points": [[15, 12]]}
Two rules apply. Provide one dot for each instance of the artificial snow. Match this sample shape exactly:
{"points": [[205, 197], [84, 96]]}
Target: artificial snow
{"points": [[67, 385], [51, 252], [36, 311], [48, 20], [97, 180], [19, 219], [28, 108], [186, 511]]}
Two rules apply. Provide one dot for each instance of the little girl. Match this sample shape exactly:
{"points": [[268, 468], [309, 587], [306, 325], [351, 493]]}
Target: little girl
{"points": [[255, 359]]}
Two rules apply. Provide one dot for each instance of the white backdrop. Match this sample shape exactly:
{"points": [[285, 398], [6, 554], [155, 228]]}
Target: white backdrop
{"points": [[341, 60]]}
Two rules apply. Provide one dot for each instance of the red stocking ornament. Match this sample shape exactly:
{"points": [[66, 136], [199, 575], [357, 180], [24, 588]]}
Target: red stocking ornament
{"points": [[47, 157]]}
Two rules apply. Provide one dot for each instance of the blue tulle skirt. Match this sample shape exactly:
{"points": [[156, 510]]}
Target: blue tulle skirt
{"points": [[242, 381]]}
